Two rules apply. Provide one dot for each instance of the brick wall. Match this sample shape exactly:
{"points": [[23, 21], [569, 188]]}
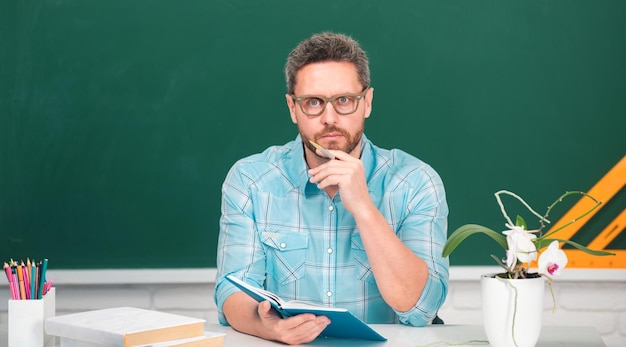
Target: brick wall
{"points": [[600, 303]]}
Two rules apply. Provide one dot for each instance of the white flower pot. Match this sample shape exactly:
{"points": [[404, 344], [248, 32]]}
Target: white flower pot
{"points": [[501, 311]]}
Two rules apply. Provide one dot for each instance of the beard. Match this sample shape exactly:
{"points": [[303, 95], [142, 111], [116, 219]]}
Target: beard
{"points": [[353, 140]]}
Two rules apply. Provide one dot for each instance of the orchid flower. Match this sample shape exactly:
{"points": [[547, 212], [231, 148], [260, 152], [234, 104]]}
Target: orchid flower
{"points": [[520, 242], [511, 260], [552, 260]]}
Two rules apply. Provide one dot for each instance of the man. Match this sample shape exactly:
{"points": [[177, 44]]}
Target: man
{"points": [[363, 231]]}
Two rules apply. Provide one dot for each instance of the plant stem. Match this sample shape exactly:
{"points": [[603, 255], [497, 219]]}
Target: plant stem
{"points": [[598, 203], [552, 292], [514, 309], [497, 194]]}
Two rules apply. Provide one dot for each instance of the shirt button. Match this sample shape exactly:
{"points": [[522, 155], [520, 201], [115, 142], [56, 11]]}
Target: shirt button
{"points": [[329, 293], [331, 207], [283, 245], [330, 250]]}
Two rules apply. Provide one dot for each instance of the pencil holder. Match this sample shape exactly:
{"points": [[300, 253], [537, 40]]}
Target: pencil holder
{"points": [[26, 321]]}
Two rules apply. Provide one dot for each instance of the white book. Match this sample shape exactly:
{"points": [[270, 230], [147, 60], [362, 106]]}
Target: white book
{"points": [[210, 339], [123, 327]]}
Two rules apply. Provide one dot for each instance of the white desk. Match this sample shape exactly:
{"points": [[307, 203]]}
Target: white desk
{"points": [[403, 336]]}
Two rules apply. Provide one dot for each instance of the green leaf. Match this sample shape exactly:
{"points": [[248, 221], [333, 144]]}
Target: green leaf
{"points": [[499, 262], [542, 243], [546, 242], [520, 222], [468, 230]]}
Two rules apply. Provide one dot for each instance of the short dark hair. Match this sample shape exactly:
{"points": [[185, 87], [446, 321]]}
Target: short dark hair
{"points": [[326, 46]]}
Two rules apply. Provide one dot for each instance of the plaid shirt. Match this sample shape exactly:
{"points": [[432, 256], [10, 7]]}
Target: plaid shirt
{"points": [[282, 233]]}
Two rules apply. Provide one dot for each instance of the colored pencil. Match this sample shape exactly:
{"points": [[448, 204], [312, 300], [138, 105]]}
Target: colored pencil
{"points": [[42, 277], [9, 271]]}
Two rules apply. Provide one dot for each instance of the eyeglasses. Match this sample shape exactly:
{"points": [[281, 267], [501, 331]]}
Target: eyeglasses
{"points": [[344, 104]]}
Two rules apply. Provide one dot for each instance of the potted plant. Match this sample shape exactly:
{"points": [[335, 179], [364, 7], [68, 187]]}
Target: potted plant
{"points": [[513, 299]]}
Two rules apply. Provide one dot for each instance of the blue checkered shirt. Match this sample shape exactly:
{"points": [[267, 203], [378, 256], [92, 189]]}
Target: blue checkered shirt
{"points": [[280, 232]]}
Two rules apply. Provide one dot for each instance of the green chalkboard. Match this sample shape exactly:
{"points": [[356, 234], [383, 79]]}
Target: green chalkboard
{"points": [[119, 119]]}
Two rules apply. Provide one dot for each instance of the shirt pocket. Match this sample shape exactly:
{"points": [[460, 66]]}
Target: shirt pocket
{"points": [[363, 268], [286, 254]]}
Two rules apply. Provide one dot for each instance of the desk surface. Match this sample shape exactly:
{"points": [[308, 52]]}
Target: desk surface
{"points": [[403, 336]]}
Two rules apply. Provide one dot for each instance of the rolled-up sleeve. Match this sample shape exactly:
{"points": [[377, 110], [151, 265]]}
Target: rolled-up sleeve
{"points": [[239, 251], [424, 231]]}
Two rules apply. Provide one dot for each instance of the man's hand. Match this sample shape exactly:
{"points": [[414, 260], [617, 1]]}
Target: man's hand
{"points": [[294, 330], [246, 315], [400, 274], [346, 173]]}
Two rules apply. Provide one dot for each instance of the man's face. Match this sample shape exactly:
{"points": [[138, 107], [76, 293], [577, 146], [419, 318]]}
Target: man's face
{"points": [[330, 129]]}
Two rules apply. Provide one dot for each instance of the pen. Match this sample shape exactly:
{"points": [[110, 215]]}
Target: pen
{"points": [[48, 286], [8, 270], [42, 277], [323, 150]]}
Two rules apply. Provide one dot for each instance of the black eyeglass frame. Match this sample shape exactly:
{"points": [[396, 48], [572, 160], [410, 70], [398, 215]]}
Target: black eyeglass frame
{"points": [[358, 97]]}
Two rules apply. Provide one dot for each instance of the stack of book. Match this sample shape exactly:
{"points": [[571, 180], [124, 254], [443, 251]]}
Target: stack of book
{"points": [[129, 326]]}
